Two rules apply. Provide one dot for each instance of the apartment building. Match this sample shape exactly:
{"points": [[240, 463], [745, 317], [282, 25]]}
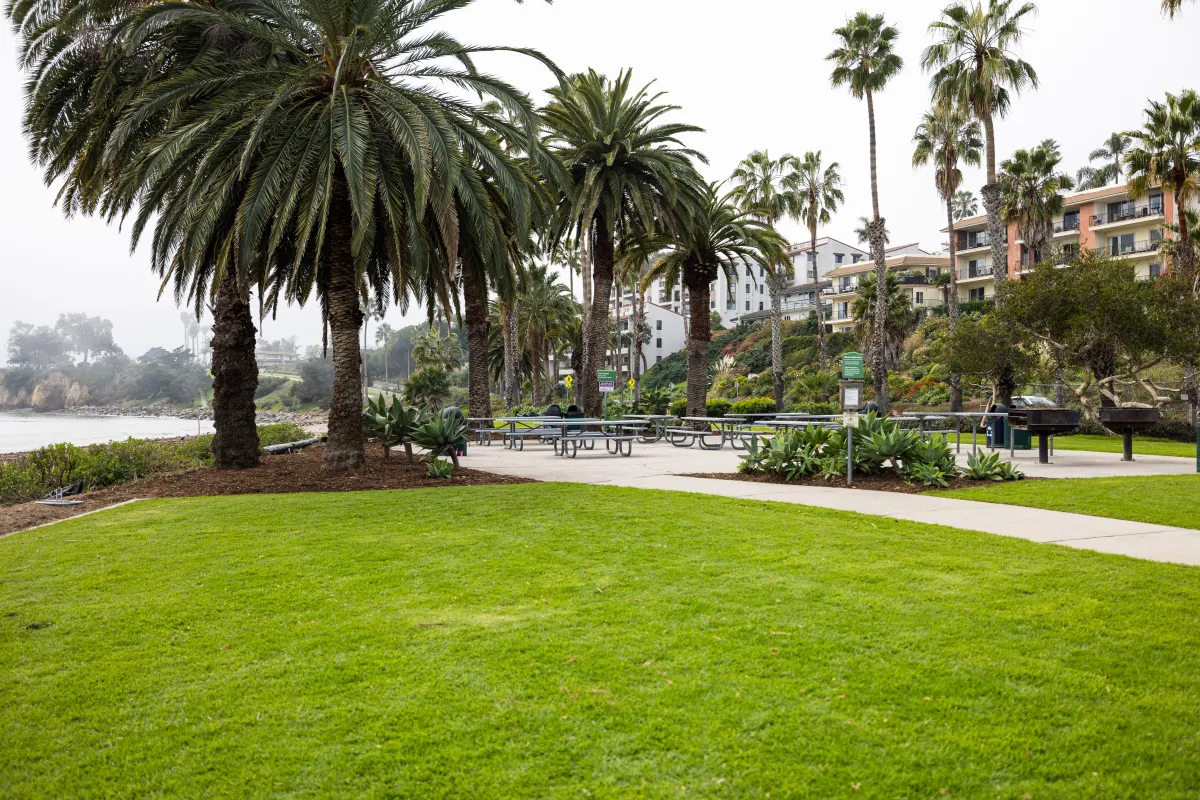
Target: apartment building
{"points": [[746, 297], [1105, 220], [917, 270]]}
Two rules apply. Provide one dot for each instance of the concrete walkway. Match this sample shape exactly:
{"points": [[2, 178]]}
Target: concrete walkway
{"points": [[662, 466]]}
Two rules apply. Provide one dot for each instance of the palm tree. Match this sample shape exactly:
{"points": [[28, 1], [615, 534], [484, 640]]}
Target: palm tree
{"points": [[625, 168], [863, 232], [975, 67], [1166, 153], [712, 236], [964, 204], [865, 61], [544, 304], [818, 193], [900, 321], [946, 136], [1031, 195], [759, 190], [384, 334], [1113, 152], [1171, 7], [329, 142]]}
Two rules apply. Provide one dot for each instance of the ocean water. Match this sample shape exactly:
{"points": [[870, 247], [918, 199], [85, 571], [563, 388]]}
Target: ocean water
{"points": [[29, 431]]}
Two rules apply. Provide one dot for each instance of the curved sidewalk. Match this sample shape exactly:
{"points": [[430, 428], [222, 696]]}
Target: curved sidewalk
{"points": [[661, 466]]}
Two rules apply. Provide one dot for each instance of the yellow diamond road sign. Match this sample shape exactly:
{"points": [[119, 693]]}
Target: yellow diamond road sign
{"points": [[630, 383], [568, 381]]}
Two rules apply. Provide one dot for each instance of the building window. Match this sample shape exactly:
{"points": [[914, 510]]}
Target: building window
{"points": [[658, 343], [1156, 204], [809, 255], [747, 288], [658, 324], [761, 288], [1155, 270], [712, 303], [977, 294], [837, 257], [855, 258], [657, 359], [919, 297], [676, 295], [747, 305], [624, 324], [760, 306], [1071, 220]]}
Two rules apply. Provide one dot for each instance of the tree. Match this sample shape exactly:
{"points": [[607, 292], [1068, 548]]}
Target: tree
{"points": [[711, 236], [1031, 195], [900, 321], [431, 350], [39, 347], [86, 335], [965, 204], [1171, 7], [975, 66], [759, 190], [818, 193], [1114, 150], [544, 305], [946, 136], [864, 62], [1166, 153], [384, 334], [862, 233], [624, 167]]}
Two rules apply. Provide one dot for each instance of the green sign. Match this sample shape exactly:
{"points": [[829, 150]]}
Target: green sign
{"points": [[852, 367], [607, 379]]}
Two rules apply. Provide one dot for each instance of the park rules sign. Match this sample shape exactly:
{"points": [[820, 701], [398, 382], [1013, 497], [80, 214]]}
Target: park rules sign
{"points": [[852, 367], [607, 379]]}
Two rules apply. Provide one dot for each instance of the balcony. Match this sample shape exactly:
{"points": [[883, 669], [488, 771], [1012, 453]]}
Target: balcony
{"points": [[971, 241], [911, 279], [1144, 246], [843, 315], [976, 272], [1127, 213], [1067, 226]]}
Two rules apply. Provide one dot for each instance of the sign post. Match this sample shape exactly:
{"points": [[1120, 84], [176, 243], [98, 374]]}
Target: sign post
{"points": [[607, 378]]}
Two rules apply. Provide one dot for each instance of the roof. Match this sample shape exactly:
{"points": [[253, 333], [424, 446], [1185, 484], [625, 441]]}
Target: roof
{"points": [[804, 248], [894, 262]]}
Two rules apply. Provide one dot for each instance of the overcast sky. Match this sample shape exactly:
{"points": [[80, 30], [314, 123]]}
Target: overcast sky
{"points": [[751, 73]]}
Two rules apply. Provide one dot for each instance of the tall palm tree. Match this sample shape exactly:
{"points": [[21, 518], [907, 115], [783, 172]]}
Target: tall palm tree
{"points": [[544, 305], [1112, 152], [759, 190], [1171, 7], [900, 321], [865, 61], [965, 205], [1031, 190], [862, 233], [975, 66], [625, 168], [946, 136], [818, 193], [1166, 153], [712, 235]]}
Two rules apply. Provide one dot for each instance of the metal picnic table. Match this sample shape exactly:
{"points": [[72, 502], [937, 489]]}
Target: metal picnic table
{"points": [[568, 442], [657, 421], [513, 439], [727, 429], [974, 416]]}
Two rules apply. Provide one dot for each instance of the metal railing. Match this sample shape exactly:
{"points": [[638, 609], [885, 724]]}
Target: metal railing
{"points": [[1127, 213], [1066, 227], [1144, 246], [972, 240], [977, 272]]}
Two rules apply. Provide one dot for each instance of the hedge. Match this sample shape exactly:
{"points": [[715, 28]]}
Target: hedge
{"points": [[755, 405]]}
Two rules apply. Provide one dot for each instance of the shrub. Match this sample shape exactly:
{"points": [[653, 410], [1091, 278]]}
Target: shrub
{"points": [[717, 408], [819, 409], [754, 405], [983, 467], [279, 433], [679, 407], [316, 382], [268, 384], [654, 401], [443, 436], [392, 424], [928, 475], [429, 386], [1177, 429], [440, 468]]}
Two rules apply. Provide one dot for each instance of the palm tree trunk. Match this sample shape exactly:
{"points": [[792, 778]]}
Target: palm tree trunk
{"points": [[235, 377], [955, 378], [344, 449], [475, 308], [1005, 383], [699, 335], [596, 334], [586, 276], [822, 350], [535, 357], [639, 323], [775, 287], [879, 255], [512, 362]]}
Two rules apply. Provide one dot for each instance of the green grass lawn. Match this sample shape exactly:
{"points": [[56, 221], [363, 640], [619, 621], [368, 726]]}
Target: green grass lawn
{"points": [[1142, 445], [562, 641], [1160, 499]]}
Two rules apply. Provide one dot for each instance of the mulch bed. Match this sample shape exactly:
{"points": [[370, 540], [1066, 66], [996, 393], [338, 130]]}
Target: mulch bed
{"points": [[886, 481], [294, 472]]}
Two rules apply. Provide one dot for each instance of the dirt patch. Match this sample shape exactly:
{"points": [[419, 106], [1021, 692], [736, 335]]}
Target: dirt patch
{"points": [[295, 472], [886, 481]]}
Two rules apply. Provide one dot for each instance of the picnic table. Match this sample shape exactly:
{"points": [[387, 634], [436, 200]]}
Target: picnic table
{"points": [[974, 416], [658, 422], [571, 434], [728, 429], [519, 429]]}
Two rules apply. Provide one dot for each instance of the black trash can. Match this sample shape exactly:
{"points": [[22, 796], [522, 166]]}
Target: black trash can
{"points": [[997, 427]]}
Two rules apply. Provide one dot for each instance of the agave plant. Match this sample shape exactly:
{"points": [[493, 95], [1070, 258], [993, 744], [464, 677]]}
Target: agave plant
{"points": [[655, 401], [392, 424], [443, 436], [934, 451], [927, 474], [440, 468], [984, 467]]}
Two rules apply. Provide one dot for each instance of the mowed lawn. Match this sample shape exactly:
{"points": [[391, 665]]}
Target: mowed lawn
{"points": [[1142, 445], [561, 641], [1158, 499]]}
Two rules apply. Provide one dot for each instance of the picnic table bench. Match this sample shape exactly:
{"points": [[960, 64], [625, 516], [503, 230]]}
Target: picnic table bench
{"points": [[572, 434], [728, 429]]}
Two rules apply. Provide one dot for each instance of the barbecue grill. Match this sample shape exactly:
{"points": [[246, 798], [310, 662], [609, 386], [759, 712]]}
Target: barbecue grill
{"points": [[1127, 421], [1040, 416]]}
